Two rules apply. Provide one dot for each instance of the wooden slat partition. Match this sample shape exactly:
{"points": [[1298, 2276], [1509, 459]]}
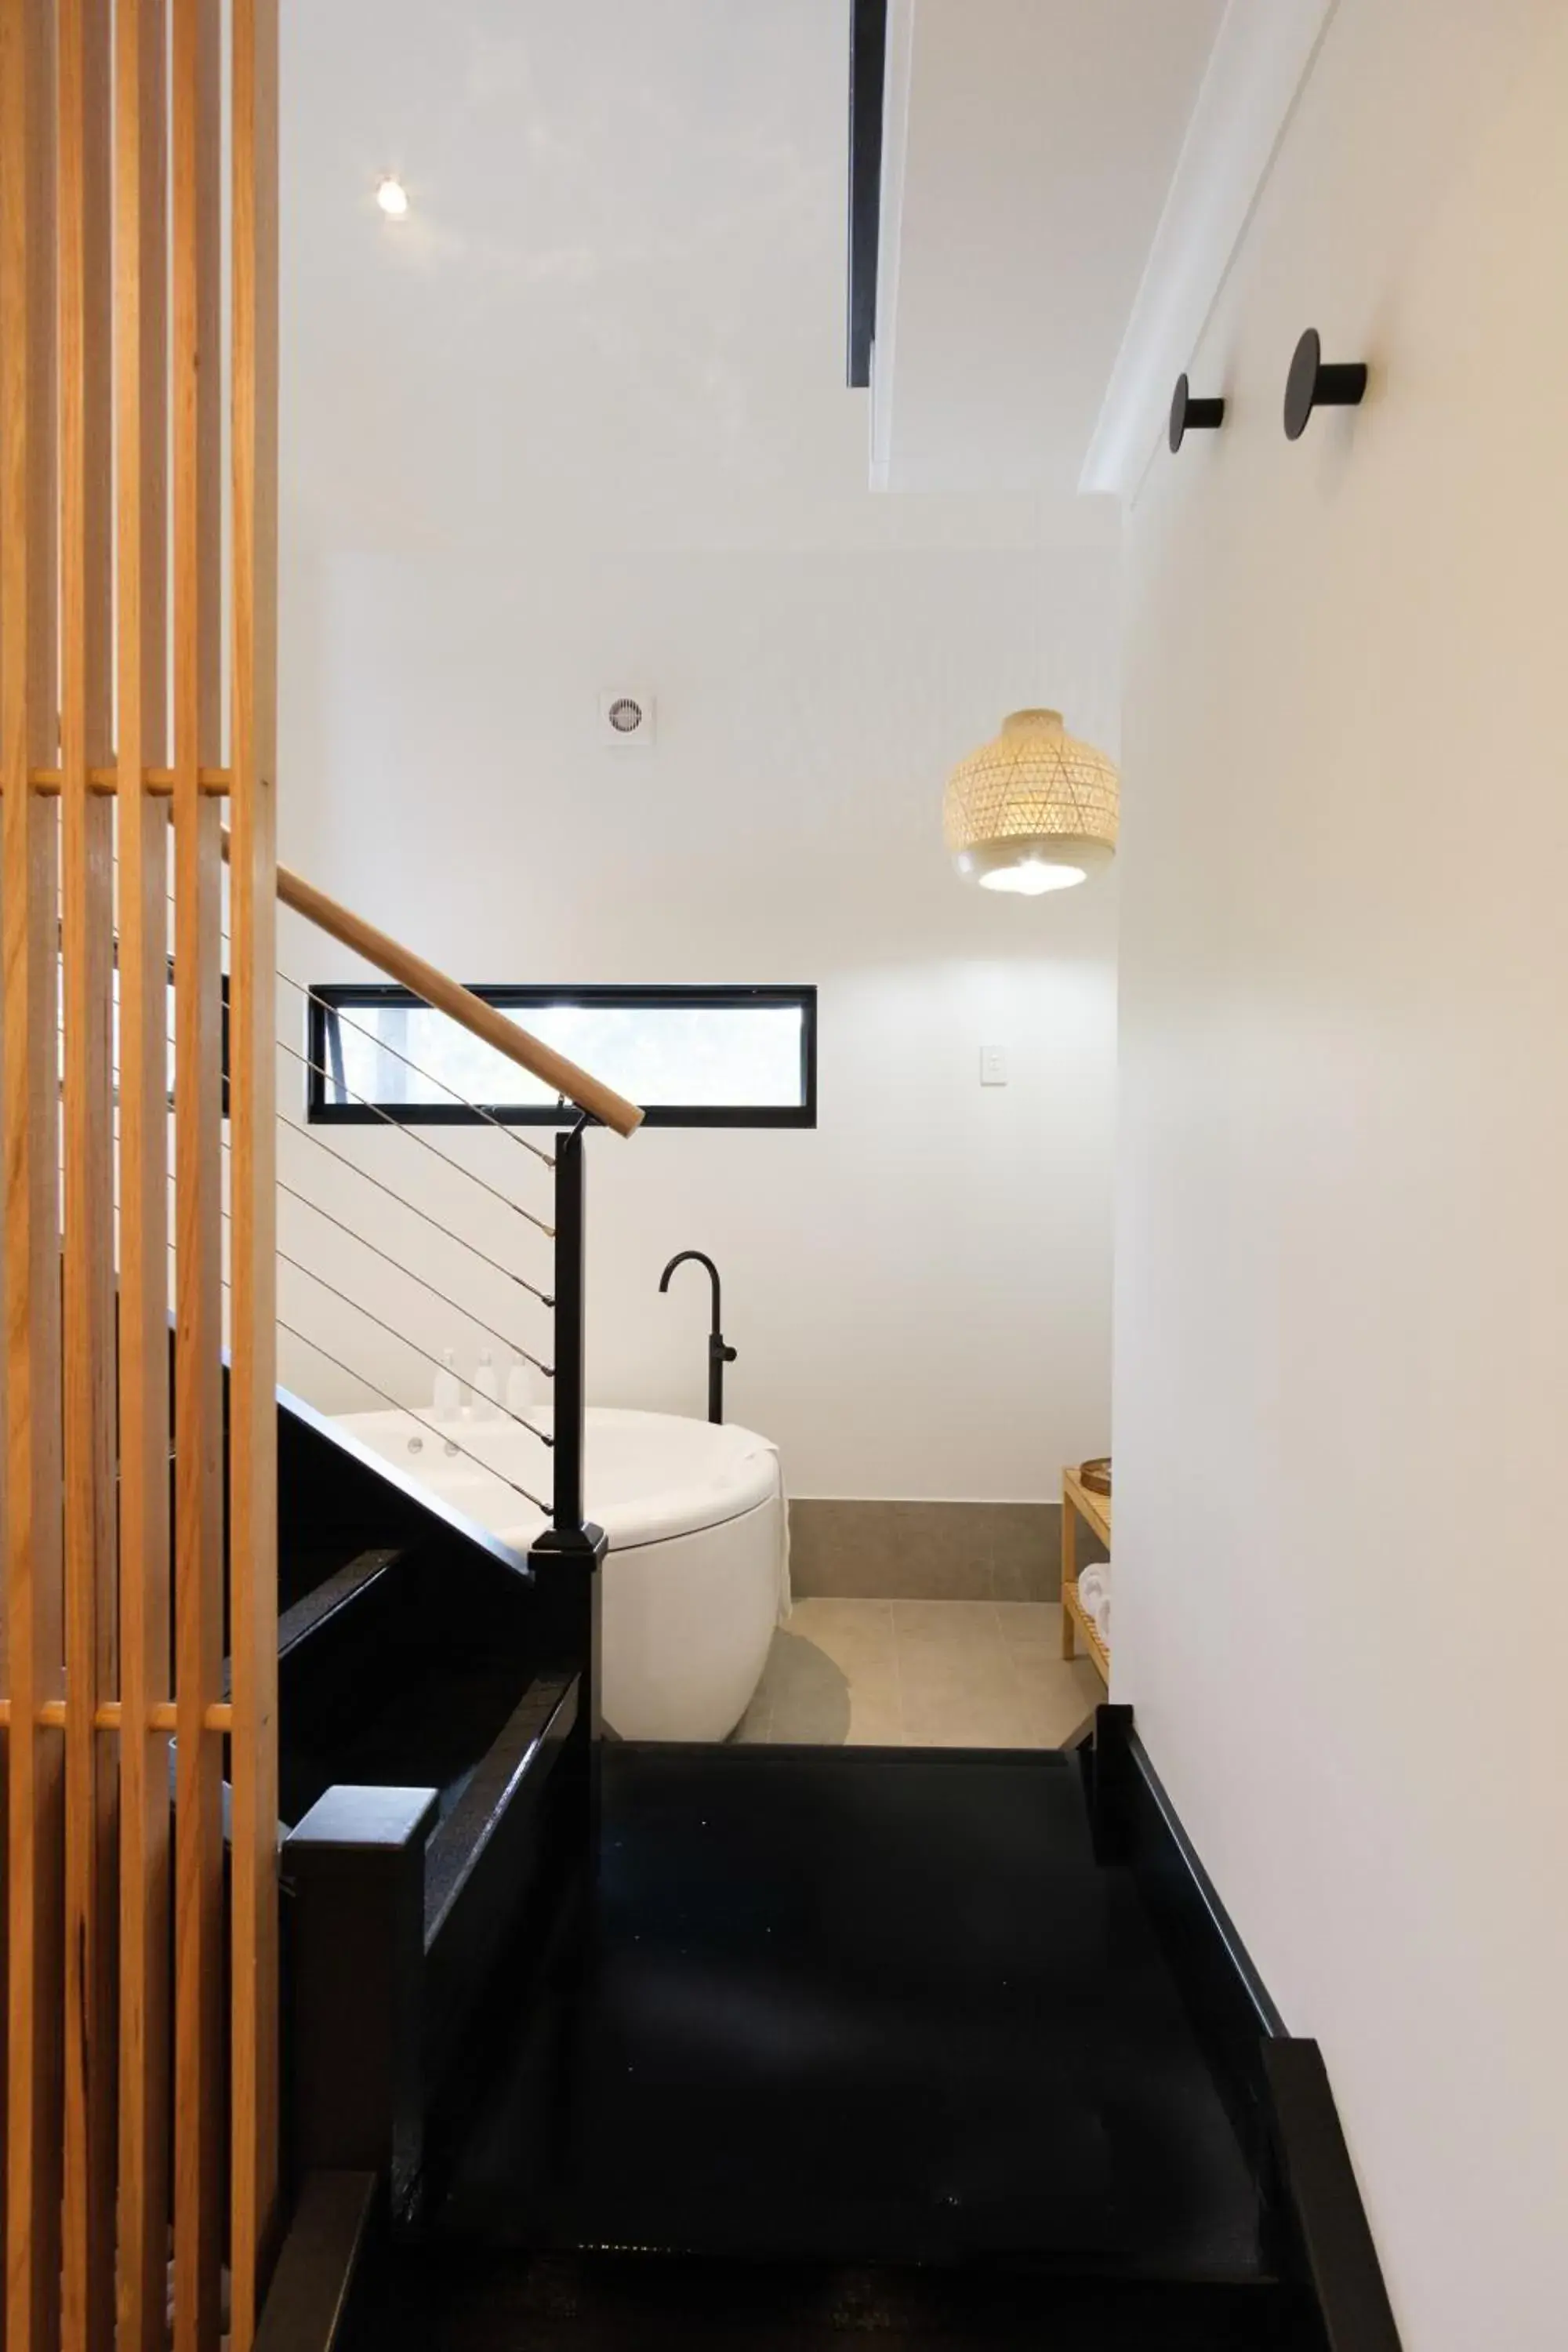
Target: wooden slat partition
{"points": [[113, 1609]]}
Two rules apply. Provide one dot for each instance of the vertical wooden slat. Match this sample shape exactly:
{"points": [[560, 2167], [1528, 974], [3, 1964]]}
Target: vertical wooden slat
{"points": [[141, 424], [4, 1563], [87, 824], [199, 2156], [252, 1470], [29, 830], [5, 1630]]}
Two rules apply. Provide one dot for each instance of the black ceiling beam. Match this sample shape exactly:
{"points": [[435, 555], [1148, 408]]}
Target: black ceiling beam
{"points": [[868, 63]]}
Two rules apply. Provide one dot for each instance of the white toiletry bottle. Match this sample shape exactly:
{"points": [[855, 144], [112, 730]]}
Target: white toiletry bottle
{"points": [[486, 1388], [449, 1397], [518, 1387]]}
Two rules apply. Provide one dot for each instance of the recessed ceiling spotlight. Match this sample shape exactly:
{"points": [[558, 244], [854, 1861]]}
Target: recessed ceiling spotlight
{"points": [[392, 196]]}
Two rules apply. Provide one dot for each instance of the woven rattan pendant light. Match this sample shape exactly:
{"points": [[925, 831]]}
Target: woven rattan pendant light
{"points": [[1034, 810]]}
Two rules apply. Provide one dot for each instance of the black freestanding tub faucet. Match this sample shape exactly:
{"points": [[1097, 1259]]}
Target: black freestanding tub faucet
{"points": [[719, 1355]]}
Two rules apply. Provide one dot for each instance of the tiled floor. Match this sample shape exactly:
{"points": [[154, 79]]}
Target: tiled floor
{"points": [[923, 1673]]}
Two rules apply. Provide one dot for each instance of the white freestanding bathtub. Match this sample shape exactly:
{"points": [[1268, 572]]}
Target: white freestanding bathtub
{"points": [[695, 1577]]}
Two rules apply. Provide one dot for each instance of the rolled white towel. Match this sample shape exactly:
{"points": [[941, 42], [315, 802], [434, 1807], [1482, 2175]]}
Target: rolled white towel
{"points": [[1092, 1589], [786, 1591], [1101, 1616]]}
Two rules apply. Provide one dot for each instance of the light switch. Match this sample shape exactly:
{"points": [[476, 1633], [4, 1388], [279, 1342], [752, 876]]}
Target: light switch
{"points": [[993, 1066]]}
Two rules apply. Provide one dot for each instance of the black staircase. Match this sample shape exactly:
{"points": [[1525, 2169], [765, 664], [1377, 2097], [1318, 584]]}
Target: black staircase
{"points": [[438, 1736], [932, 2049], [612, 2045], [854, 2043]]}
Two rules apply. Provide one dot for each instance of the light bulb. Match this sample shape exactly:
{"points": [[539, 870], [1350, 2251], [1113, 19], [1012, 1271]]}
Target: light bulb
{"points": [[393, 197], [1031, 877]]}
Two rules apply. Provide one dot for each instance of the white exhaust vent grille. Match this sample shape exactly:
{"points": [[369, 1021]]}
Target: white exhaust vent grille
{"points": [[627, 718]]}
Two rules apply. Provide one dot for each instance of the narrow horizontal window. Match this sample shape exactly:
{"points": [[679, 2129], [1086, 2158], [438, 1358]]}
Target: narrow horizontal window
{"points": [[689, 1057]]}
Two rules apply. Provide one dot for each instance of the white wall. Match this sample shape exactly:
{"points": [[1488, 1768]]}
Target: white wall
{"points": [[1342, 1338], [920, 1288], [578, 423]]}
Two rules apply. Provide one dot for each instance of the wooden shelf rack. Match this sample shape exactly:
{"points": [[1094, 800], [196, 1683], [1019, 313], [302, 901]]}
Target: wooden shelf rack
{"points": [[1079, 1502]]}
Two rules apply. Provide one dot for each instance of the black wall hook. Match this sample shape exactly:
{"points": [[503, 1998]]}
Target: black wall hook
{"points": [[1190, 415], [1314, 382]]}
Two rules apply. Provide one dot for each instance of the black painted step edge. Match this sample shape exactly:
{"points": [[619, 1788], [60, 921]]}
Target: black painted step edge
{"points": [[654, 2301], [320, 1461], [336, 1592], [1335, 2235], [311, 2300], [1274, 2082], [322, 1603]]}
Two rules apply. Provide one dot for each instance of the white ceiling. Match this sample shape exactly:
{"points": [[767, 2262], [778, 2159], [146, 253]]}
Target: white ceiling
{"points": [[615, 316], [1038, 138]]}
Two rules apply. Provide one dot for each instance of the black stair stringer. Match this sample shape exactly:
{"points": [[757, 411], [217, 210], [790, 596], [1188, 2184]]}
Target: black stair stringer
{"points": [[337, 1499]]}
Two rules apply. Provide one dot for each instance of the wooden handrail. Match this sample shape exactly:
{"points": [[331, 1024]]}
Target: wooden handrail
{"points": [[458, 1003]]}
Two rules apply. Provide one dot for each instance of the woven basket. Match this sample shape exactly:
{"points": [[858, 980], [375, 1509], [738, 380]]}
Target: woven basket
{"points": [[1096, 1475], [1033, 783]]}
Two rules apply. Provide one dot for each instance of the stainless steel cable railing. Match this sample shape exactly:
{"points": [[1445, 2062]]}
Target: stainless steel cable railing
{"points": [[320, 1070], [400, 1126], [503, 1337], [518, 1419], [477, 1110], [285, 1258], [437, 1429], [309, 1135], [356, 1373], [563, 1295]]}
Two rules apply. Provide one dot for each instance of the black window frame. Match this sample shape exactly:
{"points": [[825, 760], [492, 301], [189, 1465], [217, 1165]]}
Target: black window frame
{"points": [[329, 997]]}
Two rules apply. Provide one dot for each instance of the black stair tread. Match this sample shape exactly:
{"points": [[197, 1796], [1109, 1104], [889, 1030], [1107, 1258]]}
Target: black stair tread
{"points": [[303, 1566], [399, 1668], [851, 2004], [430, 1733], [640, 2304], [306, 1617]]}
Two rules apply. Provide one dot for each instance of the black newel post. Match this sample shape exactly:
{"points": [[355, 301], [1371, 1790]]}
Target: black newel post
{"points": [[355, 1870], [566, 1559], [571, 1274]]}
